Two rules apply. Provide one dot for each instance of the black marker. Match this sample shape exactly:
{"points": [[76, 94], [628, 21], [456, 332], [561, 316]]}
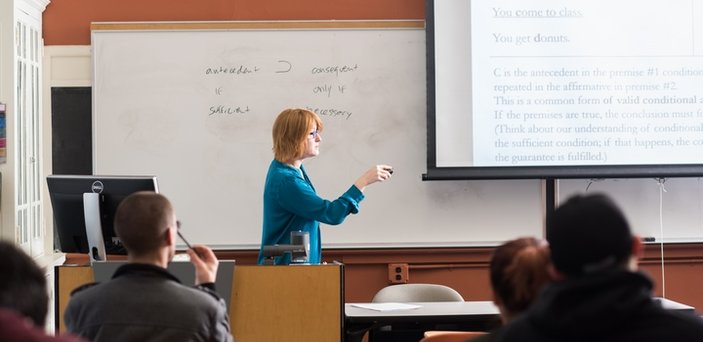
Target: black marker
{"points": [[390, 171], [649, 239]]}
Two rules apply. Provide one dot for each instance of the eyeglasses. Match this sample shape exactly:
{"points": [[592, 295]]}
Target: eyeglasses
{"points": [[314, 134]]}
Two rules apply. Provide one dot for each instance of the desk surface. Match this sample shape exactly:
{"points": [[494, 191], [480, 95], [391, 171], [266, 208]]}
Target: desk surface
{"points": [[454, 309], [436, 310], [360, 320], [672, 305], [474, 315]]}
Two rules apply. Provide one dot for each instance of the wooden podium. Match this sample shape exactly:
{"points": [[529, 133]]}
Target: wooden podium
{"points": [[268, 303]]}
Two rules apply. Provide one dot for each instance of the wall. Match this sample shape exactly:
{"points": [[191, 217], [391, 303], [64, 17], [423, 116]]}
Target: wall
{"points": [[466, 270], [66, 22]]}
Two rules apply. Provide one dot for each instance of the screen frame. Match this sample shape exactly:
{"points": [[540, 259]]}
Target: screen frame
{"points": [[435, 172]]}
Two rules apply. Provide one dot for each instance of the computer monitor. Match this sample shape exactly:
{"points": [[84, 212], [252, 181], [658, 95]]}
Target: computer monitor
{"points": [[84, 210]]}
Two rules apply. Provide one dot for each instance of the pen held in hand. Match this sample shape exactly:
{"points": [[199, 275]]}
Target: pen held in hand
{"points": [[187, 243]]}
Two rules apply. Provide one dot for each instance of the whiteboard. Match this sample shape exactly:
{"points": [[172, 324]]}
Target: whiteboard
{"points": [[194, 106], [669, 210]]}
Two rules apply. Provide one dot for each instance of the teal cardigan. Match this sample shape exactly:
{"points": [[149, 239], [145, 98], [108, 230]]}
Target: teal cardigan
{"points": [[291, 204]]}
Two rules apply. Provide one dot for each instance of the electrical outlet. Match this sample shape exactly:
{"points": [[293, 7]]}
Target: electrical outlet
{"points": [[398, 273]]}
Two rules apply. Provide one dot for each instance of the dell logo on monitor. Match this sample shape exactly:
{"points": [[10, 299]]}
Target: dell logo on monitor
{"points": [[97, 187]]}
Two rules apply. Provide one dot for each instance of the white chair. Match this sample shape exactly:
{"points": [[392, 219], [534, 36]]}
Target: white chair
{"points": [[410, 293], [417, 293]]}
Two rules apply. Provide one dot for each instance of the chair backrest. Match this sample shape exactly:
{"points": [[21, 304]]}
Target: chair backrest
{"points": [[417, 293], [450, 336]]}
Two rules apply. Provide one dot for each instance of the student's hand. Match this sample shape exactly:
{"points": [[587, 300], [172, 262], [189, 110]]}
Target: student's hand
{"points": [[375, 174], [205, 263]]}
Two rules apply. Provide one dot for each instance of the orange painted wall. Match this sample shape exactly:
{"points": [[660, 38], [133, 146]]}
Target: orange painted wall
{"points": [[67, 22]]}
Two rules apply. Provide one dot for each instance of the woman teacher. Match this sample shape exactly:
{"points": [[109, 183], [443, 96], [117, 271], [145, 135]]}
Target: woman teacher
{"points": [[290, 201]]}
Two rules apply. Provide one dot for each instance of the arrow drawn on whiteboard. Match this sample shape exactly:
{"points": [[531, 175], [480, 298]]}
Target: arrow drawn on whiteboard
{"points": [[290, 66]]}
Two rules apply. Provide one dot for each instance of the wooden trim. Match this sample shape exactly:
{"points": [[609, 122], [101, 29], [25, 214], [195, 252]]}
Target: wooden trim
{"points": [[68, 278], [258, 25], [466, 269]]}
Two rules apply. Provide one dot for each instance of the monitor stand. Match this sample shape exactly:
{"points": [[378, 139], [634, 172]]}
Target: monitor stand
{"points": [[93, 227]]}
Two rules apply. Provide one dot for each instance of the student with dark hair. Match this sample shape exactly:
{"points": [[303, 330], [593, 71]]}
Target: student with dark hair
{"points": [[518, 272], [598, 294], [24, 300], [143, 301]]}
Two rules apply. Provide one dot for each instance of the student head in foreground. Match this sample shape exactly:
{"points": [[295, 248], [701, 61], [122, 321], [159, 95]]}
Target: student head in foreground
{"points": [[143, 301], [24, 300], [519, 271], [290, 200], [598, 294]]}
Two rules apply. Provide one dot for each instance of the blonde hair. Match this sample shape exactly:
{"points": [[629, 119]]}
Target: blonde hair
{"points": [[290, 131]]}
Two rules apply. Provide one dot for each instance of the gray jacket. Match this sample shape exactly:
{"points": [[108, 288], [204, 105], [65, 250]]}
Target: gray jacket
{"points": [[147, 303]]}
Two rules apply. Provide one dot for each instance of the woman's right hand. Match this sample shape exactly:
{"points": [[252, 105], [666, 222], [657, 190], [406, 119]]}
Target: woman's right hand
{"points": [[378, 173]]}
